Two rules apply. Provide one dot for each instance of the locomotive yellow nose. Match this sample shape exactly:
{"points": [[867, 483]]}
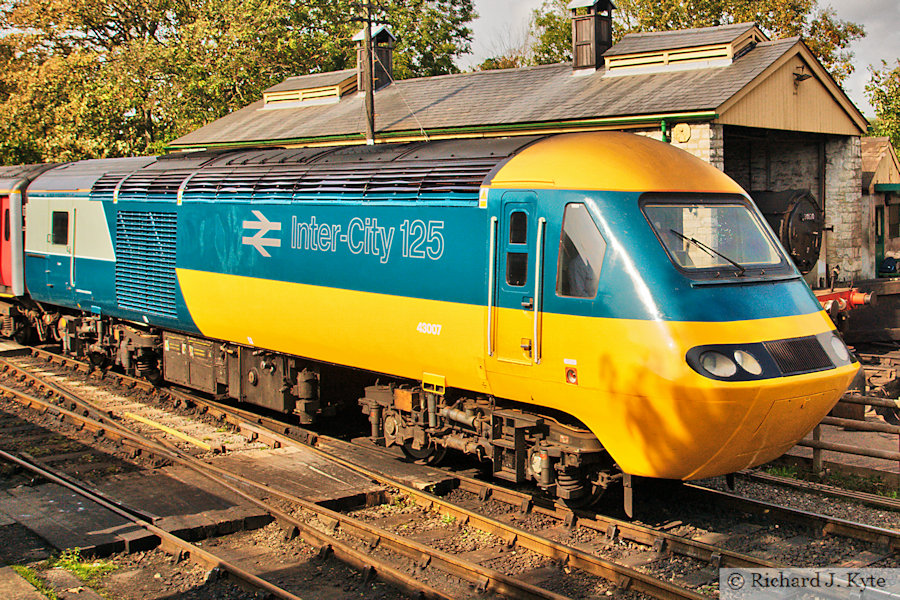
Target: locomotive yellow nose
{"points": [[702, 429]]}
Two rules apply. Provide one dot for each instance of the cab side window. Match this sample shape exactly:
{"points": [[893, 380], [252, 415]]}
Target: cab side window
{"points": [[59, 228], [581, 252], [517, 262]]}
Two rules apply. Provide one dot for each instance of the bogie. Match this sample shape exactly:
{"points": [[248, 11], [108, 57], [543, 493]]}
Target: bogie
{"points": [[566, 461]]}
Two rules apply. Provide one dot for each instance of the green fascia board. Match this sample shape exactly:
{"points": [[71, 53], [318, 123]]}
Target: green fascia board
{"points": [[887, 187], [512, 128]]}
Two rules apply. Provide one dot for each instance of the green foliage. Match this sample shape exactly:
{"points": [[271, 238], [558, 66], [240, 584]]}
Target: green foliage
{"points": [[883, 92], [36, 582], [431, 34], [88, 571], [789, 471], [827, 36], [552, 31], [91, 79], [509, 61]]}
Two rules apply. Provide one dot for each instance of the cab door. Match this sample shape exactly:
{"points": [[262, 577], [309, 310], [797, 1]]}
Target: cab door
{"points": [[61, 241], [517, 322]]}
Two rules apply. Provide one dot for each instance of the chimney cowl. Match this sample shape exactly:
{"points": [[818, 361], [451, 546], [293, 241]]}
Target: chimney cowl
{"points": [[383, 42], [591, 32]]}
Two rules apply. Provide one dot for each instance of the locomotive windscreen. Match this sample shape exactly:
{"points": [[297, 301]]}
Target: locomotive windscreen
{"points": [[712, 234]]}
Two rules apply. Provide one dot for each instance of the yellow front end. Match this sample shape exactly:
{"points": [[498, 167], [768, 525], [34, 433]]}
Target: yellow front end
{"points": [[658, 417]]}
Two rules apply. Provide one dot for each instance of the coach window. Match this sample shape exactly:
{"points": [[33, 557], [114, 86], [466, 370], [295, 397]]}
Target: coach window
{"points": [[6, 225], [581, 251], [517, 262], [59, 228]]}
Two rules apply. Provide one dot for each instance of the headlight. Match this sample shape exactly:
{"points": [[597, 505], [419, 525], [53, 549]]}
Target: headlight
{"points": [[747, 362], [840, 349], [733, 362], [717, 364]]}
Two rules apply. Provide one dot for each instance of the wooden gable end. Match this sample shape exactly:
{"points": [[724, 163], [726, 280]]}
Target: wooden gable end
{"points": [[794, 94], [888, 169]]}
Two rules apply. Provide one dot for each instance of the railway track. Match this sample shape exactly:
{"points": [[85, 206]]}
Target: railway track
{"points": [[812, 487], [554, 540], [577, 571]]}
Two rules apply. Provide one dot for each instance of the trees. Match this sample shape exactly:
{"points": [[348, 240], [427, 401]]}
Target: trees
{"points": [[883, 92], [99, 78], [827, 36]]}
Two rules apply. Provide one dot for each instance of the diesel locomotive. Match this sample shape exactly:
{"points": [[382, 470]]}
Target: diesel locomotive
{"points": [[574, 309]]}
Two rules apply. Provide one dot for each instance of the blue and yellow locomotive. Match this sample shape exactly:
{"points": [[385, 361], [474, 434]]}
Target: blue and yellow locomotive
{"points": [[571, 308]]}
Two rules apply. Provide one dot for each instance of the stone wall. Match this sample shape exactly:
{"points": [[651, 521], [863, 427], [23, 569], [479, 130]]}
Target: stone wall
{"points": [[851, 245], [774, 164], [706, 142]]}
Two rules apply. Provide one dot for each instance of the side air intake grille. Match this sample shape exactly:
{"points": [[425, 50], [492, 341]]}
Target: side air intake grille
{"points": [[145, 262], [799, 355]]}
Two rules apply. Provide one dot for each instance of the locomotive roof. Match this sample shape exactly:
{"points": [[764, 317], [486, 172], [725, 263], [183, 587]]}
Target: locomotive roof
{"points": [[448, 170], [12, 176]]}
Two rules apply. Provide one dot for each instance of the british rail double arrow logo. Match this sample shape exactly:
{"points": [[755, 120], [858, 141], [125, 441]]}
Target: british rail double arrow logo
{"points": [[259, 239]]}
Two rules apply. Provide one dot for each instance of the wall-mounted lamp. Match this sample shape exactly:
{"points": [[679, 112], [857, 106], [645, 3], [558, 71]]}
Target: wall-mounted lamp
{"points": [[798, 77]]}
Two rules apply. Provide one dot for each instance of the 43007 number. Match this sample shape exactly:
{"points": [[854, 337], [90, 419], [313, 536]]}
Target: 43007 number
{"points": [[429, 328]]}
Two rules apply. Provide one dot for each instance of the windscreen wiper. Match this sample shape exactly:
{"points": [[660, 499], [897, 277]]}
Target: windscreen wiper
{"points": [[711, 251]]}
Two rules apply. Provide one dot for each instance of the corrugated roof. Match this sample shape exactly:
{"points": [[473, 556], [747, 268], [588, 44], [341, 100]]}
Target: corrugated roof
{"points": [[316, 80], [543, 94], [636, 43]]}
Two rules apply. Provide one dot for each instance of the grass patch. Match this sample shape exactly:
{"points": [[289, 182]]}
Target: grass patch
{"points": [[36, 582], [783, 471], [847, 481], [88, 571]]}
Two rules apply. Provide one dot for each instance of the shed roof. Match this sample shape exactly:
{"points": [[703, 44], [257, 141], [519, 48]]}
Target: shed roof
{"points": [[634, 43], [525, 100], [316, 80]]}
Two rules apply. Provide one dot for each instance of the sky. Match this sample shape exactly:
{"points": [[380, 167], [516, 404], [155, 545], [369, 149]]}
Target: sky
{"points": [[503, 24]]}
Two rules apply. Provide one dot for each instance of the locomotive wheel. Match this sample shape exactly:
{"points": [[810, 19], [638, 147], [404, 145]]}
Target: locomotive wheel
{"points": [[97, 360], [22, 335], [597, 485], [430, 456], [586, 501]]}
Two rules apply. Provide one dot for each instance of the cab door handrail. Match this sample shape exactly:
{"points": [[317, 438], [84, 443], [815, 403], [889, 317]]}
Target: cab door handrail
{"points": [[538, 276], [492, 259]]}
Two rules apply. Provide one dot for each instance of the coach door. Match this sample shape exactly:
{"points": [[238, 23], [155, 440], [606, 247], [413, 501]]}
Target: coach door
{"points": [[61, 239], [515, 313], [6, 270]]}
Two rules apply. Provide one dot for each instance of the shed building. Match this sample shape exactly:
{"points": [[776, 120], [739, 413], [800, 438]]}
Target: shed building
{"points": [[764, 111], [880, 202]]}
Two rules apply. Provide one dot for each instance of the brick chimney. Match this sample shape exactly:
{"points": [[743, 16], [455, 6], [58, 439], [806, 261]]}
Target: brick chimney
{"points": [[383, 42], [591, 32]]}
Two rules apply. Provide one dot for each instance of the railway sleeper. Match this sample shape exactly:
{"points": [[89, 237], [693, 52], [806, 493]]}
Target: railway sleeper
{"points": [[566, 461]]}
